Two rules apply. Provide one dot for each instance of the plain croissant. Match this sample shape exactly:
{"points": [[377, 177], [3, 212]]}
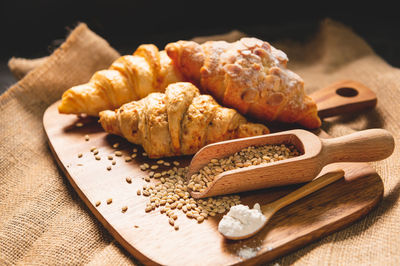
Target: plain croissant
{"points": [[130, 77], [249, 75], [177, 122]]}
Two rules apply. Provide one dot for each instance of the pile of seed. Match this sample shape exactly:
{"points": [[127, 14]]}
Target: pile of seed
{"points": [[253, 155], [171, 194]]}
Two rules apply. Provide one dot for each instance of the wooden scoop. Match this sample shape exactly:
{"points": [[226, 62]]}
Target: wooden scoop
{"points": [[363, 146]]}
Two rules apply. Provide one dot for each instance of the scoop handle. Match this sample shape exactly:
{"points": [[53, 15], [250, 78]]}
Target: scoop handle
{"points": [[363, 146]]}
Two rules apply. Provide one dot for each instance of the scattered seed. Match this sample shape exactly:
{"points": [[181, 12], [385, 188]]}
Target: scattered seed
{"points": [[138, 192], [133, 156], [157, 175], [200, 219], [147, 179], [93, 148], [97, 157], [113, 162], [153, 167], [144, 154], [128, 159], [79, 124], [129, 180], [171, 221], [176, 227], [108, 168], [87, 137], [134, 150], [110, 157], [176, 163], [124, 209], [116, 145], [118, 153], [160, 161], [98, 203], [95, 152], [109, 201], [80, 155]]}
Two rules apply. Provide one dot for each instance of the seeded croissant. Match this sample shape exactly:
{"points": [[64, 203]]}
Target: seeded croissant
{"points": [[249, 75], [177, 122], [130, 77]]}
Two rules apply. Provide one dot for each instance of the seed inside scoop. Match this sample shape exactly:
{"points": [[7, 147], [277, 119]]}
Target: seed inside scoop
{"points": [[253, 155]]}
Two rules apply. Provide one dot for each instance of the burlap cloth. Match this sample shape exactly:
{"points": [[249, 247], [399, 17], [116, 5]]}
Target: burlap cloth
{"points": [[42, 220]]}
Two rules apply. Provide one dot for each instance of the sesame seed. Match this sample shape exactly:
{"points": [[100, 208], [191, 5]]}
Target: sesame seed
{"points": [[129, 180], [98, 203], [87, 137], [116, 145], [124, 209], [118, 153], [109, 201], [80, 155], [79, 124]]}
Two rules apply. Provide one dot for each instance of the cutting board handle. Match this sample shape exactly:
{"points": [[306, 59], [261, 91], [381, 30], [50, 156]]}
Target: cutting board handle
{"points": [[343, 97]]}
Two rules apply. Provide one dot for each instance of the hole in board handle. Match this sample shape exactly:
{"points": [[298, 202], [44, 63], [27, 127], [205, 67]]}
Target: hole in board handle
{"points": [[347, 92]]}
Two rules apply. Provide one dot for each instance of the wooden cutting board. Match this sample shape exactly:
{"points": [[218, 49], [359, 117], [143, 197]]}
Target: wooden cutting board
{"points": [[150, 238]]}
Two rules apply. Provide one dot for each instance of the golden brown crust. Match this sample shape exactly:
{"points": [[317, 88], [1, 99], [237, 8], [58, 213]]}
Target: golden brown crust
{"points": [[179, 122], [130, 77], [249, 75]]}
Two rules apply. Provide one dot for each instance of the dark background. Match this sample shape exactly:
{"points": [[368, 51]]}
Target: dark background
{"points": [[34, 28]]}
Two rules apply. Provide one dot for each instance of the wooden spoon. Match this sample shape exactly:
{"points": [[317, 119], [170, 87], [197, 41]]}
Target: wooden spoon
{"points": [[363, 146], [270, 209]]}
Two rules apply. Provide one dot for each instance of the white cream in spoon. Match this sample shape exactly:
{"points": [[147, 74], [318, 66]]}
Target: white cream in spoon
{"points": [[241, 221]]}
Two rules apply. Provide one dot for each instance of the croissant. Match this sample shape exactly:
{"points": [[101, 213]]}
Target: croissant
{"points": [[249, 75], [129, 78], [177, 122]]}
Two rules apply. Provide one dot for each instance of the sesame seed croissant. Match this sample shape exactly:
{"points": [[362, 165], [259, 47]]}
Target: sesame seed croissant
{"points": [[177, 122], [249, 75], [130, 77]]}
